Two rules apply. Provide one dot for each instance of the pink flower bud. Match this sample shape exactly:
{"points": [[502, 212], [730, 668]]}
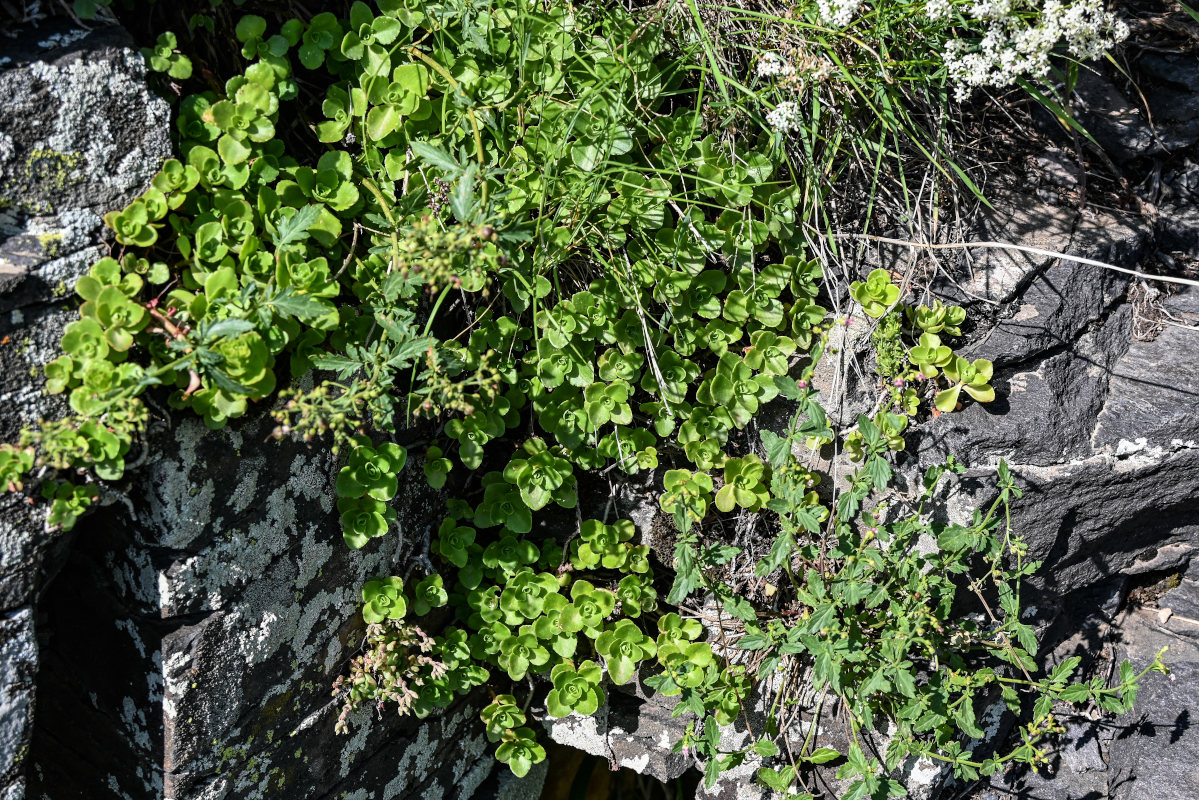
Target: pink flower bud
{"points": [[802, 384], [897, 382]]}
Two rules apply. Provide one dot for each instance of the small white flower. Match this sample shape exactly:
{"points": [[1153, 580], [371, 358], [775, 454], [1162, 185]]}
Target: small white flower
{"points": [[771, 64], [784, 117], [837, 13], [938, 9], [1015, 46]]}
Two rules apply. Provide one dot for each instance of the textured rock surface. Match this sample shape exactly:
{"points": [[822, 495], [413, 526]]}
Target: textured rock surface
{"points": [[1101, 431], [1151, 751], [180, 642], [79, 134], [637, 733]]}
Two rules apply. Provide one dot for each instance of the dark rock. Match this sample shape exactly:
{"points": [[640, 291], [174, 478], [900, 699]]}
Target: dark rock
{"points": [[1156, 746], [1106, 450], [1060, 168], [1116, 123], [79, 126], [1154, 389], [79, 134], [18, 665], [1174, 99], [630, 732], [1178, 227]]}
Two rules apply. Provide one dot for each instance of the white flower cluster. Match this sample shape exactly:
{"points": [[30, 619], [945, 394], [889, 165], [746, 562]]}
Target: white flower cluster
{"points": [[837, 13], [772, 64], [938, 9], [794, 74], [991, 9], [784, 117], [1013, 48]]}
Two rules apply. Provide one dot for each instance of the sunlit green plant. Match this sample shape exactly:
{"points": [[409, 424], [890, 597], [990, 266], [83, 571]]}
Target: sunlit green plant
{"points": [[744, 484], [546, 261], [624, 646], [972, 377], [575, 690], [686, 497], [876, 294], [383, 599]]}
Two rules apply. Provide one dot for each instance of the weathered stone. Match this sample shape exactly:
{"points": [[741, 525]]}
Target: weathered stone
{"points": [[1174, 100], [1115, 122], [79, 134], [1118, 497], [1178, 227], [1155, 752], [1151, 751], [81, 130], [235, 588], [628, 731], [18, 663]]}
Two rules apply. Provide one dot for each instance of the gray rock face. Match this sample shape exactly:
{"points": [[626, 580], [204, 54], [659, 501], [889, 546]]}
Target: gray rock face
{"points": [[636, 733], [1100, 429], [80, 127], [1151, 751], [181, 642], [1175, 101], [18, 663], [1157, 744], [1113, 119], [79, 134]]}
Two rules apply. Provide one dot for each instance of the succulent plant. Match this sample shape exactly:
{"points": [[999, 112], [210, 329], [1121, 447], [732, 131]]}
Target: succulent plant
{"points": [[929, 355], [637, 595], [541, 477], [733, 386], [502, 505], [454, 541], [744, 484], [429, 594], [876, 294], [624, 646], [509, 554], [364, 518], [525, 593], [383, 599], [520, 652], [608, 545], [520, 751], [588, 608], [607, 402], [372, 471], [936, 319], [974, 378], [686, 497], [436, 467], [575, 689]]}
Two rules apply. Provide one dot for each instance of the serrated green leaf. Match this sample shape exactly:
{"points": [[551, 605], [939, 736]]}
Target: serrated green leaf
{"points": [[435, 156], [295, 228]]}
